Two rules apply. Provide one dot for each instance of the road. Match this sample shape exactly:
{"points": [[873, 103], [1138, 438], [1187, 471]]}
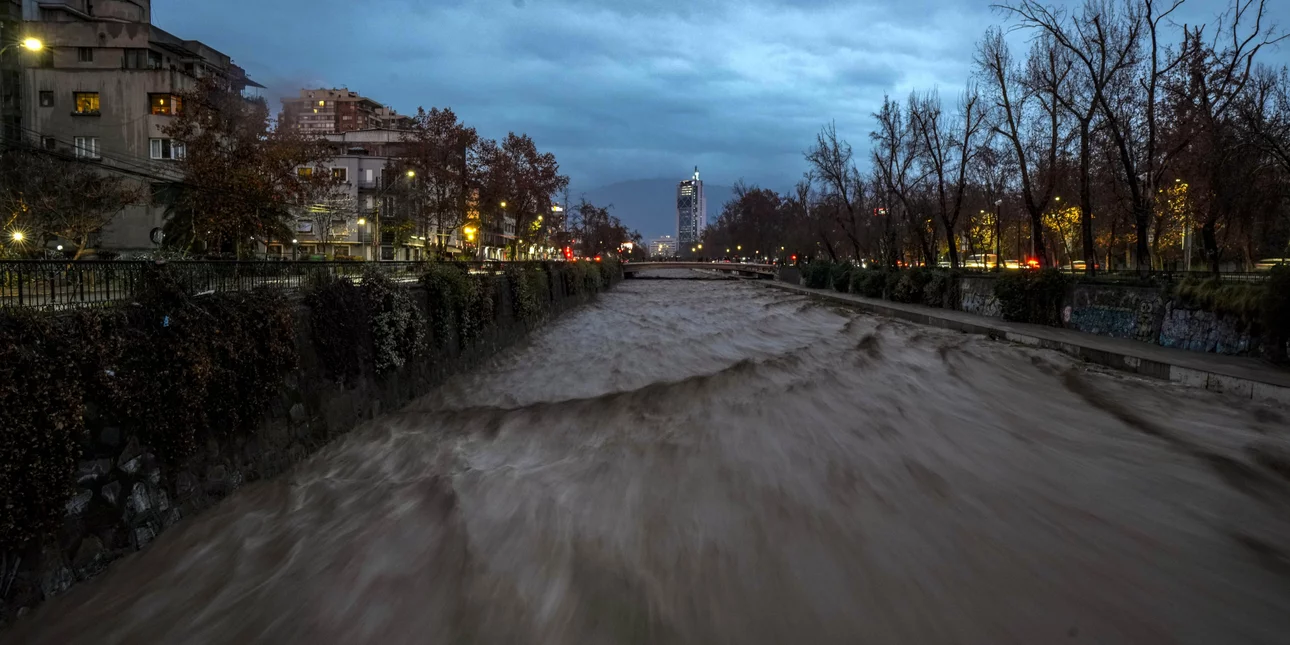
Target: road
{"points": [[716, 462]]}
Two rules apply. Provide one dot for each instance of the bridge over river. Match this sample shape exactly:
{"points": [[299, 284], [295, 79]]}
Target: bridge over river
{"points": [[719, 462]]}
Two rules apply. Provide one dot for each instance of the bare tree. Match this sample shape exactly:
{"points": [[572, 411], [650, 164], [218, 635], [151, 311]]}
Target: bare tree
{"points": [[895, 152], [1104, 41], [1029, 121], [945, 148], [832, 164]]}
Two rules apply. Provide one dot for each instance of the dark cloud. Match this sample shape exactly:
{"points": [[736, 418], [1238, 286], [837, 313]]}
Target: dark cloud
{"points": [[618, 89]]}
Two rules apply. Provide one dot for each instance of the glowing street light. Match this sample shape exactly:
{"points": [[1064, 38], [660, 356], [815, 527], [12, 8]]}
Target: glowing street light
{"points": [[412, 173], [362, 221], [33, 44], [503, 204], [18, 236]]}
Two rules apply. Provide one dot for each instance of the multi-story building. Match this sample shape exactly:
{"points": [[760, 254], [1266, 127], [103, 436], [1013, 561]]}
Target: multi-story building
{"points": [[334, 111], [662, 247], [691, 212], [11, 54], [370, 202], [103, 87]]}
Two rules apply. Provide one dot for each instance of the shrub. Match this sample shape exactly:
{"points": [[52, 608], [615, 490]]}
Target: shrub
{"points": [[1032, 296], [339, 321], [818, 274], [942, 290], [1276, 312], [908, 288], [840, 277], [449, 292], [398, 326], [1239, 300], [875, 283], [43, 425], [530, 292]]}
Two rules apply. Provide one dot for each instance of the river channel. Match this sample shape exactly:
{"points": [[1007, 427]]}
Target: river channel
{"points": [[711, 461]]}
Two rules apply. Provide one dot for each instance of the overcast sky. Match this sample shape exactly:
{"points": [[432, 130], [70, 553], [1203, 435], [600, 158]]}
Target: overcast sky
{"points": [[620, 89]]}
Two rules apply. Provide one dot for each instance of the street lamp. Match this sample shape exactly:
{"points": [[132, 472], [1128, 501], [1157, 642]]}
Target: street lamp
{"points": [[18, 236], [411, 174], [33, 44], [362, 221]]}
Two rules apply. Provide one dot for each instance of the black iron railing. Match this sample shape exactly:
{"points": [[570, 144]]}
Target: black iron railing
{"points": [[51, 284]]}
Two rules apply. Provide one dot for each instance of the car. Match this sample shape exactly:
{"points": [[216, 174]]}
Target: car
{"points": [[1266, 264]]}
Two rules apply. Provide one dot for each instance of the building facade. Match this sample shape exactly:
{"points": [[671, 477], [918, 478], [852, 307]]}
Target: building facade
{"points": [[369, 202], [102, 89], [691, 212], [662, 247], [334, 111]]}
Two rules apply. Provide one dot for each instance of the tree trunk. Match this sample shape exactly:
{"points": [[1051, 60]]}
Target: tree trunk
{"points": [[1209, 241], [952, 244], [1037, 238], [1142, 226], [1086, 201]]}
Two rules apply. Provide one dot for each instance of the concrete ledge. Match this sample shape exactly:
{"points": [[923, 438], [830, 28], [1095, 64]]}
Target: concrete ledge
{"points": [[1243, 377]]}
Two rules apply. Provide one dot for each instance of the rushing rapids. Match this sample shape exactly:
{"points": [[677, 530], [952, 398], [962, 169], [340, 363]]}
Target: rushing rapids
{"points": [[719, 462]]}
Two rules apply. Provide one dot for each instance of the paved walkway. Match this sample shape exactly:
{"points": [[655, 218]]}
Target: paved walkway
{"points": [[1241, 376]]}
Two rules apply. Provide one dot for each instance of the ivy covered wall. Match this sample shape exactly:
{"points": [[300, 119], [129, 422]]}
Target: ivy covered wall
{"points": [[116, 423]]}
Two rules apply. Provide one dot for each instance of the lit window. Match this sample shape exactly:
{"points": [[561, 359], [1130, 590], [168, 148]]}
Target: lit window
{"points": [[305, 172], [340, 174], [322, 104], [164, 104], [86, 102], [87, 147]]}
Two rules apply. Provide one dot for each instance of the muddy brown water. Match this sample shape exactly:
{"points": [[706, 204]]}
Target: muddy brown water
{"points": [[718, 462]]}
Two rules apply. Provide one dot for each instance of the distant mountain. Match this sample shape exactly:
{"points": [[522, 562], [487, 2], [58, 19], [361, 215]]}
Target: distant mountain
{"points": [[649, 205]]}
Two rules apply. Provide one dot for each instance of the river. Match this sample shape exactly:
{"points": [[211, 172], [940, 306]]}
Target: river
{"points": [[720, 462]]}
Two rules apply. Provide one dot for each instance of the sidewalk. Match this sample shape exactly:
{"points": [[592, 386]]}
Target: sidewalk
{"points": [[1245, 377]]}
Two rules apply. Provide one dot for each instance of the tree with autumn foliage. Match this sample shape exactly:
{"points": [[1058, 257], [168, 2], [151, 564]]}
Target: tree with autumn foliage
{"points": [[244, 179], [48, 196], [516, 174], [443, 152]]}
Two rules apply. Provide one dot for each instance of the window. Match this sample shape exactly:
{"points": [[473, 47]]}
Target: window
{"points": [[87, 147], [165, 104], [50, 143], [166, 149], [340, 174], [305, 173], [86, 102], [85, 54], [46, 99], [135, 59], [339, 250], [368, 175]]}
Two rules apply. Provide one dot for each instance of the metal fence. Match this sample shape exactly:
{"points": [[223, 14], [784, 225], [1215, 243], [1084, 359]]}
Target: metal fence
{"points": [[57, 285]]}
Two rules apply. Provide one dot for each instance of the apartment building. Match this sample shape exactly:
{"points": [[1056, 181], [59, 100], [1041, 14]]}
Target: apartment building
{"points": [[104, 86], [334, 111], [371, 202]]}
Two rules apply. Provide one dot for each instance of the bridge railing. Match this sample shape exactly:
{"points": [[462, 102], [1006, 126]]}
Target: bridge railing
{"points": [[54, 284]]}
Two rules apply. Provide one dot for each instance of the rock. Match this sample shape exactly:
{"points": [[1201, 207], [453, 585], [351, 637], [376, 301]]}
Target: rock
{"points": [[138, 501], [236, 479], [143, 536], [110, 436], [79, 502], [154, 476], [217, 480], [131, 467], [24, 611], [131, 452], [112, 492], [298, 413], [91, 549], [171, 518], [92, 469], [163, 501], [55, 577], [185, 485], [291, 381]]}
